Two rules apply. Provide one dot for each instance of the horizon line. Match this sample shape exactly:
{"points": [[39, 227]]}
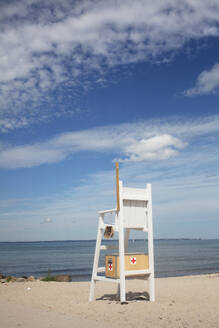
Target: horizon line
{"points": [[86, 240]]}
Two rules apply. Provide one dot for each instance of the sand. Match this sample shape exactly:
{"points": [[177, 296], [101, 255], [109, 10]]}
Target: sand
{"points": [[180, 302]]}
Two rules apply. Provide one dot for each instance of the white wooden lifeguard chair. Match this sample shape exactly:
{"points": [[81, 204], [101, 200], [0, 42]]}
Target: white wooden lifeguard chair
{"points": [[134, 211]]}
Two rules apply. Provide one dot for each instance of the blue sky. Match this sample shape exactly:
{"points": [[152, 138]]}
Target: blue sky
{"points": [[85, 83]]}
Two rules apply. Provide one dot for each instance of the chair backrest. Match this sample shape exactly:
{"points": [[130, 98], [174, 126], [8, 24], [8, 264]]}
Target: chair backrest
{"points": [[134, 206]]}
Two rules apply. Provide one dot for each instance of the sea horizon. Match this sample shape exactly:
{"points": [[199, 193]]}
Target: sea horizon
{"points": [[173, 257], [72, 240]]}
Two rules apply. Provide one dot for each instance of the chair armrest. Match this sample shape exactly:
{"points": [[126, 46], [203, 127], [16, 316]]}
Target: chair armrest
{"points": [[108, 211]]}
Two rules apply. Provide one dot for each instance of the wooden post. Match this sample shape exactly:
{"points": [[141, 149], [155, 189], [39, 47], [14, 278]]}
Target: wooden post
{"points": [[117, 187]]}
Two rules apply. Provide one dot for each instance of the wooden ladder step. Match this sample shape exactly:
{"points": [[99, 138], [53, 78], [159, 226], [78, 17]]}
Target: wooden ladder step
{"points": [[105, 247], [102, 278], [136, 272], [101, 269]]}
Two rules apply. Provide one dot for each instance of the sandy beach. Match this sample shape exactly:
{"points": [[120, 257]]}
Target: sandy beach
{"points": [[180, 302]]}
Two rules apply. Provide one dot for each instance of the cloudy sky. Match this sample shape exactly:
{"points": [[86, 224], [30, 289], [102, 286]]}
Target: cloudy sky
{"points": [[86, 83]]}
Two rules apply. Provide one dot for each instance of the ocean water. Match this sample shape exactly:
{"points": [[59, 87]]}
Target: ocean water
{"points": [[172, 257]]}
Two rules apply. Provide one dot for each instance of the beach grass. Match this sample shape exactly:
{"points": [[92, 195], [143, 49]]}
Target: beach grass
{"points": [[49, 277]]}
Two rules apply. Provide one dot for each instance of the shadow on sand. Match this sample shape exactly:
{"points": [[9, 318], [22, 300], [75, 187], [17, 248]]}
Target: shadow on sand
{"points": [[130, 296]]}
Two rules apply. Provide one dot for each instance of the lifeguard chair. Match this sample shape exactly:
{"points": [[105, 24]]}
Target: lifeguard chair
{"points": [[134, 211]]}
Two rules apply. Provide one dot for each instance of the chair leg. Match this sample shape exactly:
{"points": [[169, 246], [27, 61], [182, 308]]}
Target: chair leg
{"points": [[118, 292], [122, 265], [151, 288], [151, 248], [96, 259], [122, 288], [92, 288]]}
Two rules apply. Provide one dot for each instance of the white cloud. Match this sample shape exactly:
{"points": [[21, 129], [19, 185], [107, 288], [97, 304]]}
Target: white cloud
{"points": [[28, 156], [183, 193], [155, 148], [207, 82], [148, 140], [47, 220], [7, 124], [57, 44]]}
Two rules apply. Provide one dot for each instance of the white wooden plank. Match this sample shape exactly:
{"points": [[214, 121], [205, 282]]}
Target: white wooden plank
{"points": [[100, 278], [151, 248], [121, 248], [128, 196], [96, 258], [106, 247], [136, 272], [108, 211], [101, 269], [135, 213]]}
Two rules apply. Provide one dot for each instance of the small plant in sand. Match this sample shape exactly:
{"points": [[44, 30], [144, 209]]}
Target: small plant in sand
{"points": [[9, 278], [49, 277]]}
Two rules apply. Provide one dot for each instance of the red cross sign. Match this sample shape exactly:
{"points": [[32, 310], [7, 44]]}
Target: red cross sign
{"points": [[133, 260], [110, 267]]}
